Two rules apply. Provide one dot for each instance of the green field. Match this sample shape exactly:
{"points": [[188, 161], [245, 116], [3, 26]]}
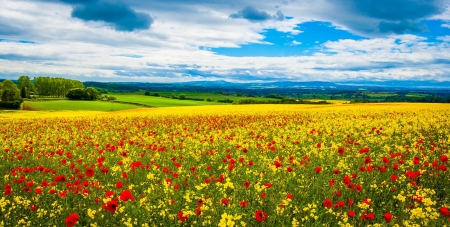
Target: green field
{"points": [[214, 96], [416, 95], [138, 98], [77, 105], [160, 101], [165, 102], [133, 97]]}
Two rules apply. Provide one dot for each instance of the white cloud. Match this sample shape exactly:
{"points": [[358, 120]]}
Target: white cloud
{"points": [[295, 43], [444, 38], [178, 42]]}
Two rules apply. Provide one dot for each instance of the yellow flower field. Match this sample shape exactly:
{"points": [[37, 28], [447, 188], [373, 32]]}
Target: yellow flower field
{"points": [[239, 165]]}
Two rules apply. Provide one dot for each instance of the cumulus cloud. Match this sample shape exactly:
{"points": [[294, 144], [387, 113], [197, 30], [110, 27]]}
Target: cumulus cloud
{"points": [[295, 43], [401, 27], [19, 57], [396, 10], [385, 16], [120, 17], [252, 14], [78, 1], [8, 30], [70, 42]]}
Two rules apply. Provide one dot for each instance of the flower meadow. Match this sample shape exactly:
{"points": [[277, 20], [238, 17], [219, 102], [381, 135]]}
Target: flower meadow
{"points": [[268, 165]]}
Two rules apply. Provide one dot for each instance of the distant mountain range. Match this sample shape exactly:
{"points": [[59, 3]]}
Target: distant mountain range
{"points": [[351, 85], [322, 84]]}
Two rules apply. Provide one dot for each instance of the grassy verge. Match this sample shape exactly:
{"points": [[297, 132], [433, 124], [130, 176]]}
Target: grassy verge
{"points": [[77, 105]]}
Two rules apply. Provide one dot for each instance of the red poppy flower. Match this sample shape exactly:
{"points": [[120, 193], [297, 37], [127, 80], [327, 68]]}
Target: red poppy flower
{"points": [[366, 201], [387, 217], [198, 211], [119, 184], [341, 150], [263, 195], [225, 202], [268, 185], [394, 177], [339, 204], [30, 184], [200, 203], [351, 213], [85, 192], [44, 183], [243, 203], [370, 216], [347, 180], [362, 168], [260, 216], [327, 203], [59, 178], [318, 169], [395, 166], [410, 174], [105, 170], [289, 196], [246, 184], [337, 193], [126, 195], [332, 182], [444, 158], [62, 194], [33, 207], [182, 217], [72, 219], [111, 206], [8, 191], [38, 190], [350, 202], [367, 160], [444, 211], [89, 172]]}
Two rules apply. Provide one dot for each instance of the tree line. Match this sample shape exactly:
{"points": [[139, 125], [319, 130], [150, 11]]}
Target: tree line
{"points": [[55, 86], [12, 94]]}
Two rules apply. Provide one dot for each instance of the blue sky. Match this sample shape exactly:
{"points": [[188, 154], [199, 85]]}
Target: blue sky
{"points": [[233, 40]]}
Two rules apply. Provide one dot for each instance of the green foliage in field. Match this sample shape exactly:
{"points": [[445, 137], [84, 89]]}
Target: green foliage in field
{"points": [[10, 92], [160, 101], [77, 105]]}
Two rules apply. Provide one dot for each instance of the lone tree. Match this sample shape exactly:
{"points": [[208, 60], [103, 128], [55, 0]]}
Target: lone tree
{"points": [[91, 93], [23, 92], [10, 91], [75, 94], [25, 82]]}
